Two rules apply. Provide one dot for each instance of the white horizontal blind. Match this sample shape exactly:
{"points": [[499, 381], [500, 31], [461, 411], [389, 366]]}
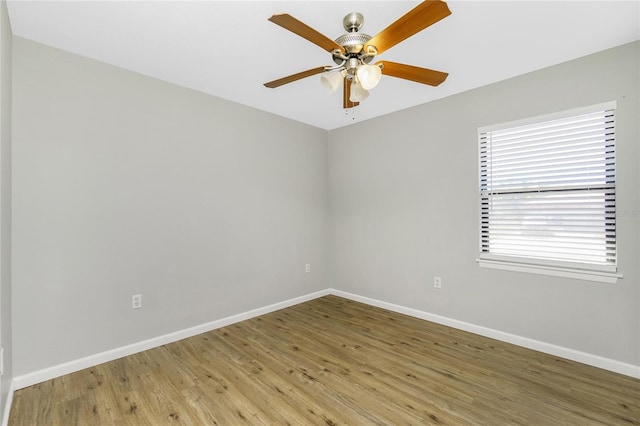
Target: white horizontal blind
{"points": [[548, 191]]}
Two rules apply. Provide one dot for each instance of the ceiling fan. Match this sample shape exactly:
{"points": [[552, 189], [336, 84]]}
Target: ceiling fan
{"points": [[353, 52]]}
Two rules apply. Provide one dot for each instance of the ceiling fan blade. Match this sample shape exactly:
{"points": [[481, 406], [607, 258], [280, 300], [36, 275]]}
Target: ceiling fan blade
{"points": [[346, 94], [417, 19], [293, 77], [303, 30], [417, 74]]}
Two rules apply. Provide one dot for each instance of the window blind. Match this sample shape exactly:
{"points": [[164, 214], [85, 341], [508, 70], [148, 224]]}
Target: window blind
{"points": [[547, 191]]}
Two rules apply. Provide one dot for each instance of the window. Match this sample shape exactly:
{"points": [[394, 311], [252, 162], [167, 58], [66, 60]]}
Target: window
{"points": [[547, 194]]}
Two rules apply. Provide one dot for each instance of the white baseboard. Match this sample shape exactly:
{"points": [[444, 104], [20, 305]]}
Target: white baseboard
{"points": [[92, 360], [548, 348], [40, 376], [7, 405]]}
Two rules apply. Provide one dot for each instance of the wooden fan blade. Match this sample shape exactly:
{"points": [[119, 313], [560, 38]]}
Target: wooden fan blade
{"points": [[346, 93], [290, 23], [417, 74], [417, 19], [294, 77]]}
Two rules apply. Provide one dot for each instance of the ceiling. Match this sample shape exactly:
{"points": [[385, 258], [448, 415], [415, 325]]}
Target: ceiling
{"points": [[229, 49]]}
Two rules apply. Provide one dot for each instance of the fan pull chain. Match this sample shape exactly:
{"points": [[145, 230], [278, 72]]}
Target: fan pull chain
{"points": [[353, 113]]}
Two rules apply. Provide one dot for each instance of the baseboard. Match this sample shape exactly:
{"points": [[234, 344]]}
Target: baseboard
{"points": [[559, 351], [7, 405], [40, 376]]}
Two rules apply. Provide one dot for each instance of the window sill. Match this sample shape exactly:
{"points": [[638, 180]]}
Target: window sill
{"points": [[579, 274]]}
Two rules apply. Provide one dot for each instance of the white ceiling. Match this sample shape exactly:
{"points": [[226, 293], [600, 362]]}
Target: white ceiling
{"points": [[229, 49]]}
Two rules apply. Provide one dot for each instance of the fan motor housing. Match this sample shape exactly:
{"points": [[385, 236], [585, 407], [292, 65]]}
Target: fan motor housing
{"points": [[353, 42]]}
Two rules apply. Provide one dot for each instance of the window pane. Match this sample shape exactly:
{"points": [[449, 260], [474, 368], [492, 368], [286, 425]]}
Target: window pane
{"points": [[548, 190]]}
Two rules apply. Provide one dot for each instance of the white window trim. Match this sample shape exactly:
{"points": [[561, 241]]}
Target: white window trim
{"points": [[554, 271], [595, 273]]}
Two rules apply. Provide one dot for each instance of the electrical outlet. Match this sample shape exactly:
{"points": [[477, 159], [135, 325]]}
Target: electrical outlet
{"points": [[437, 282], [307, 267], [136, 301]]}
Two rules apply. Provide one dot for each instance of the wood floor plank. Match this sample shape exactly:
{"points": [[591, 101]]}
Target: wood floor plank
{"points": [[361, 380], [334, 361]]}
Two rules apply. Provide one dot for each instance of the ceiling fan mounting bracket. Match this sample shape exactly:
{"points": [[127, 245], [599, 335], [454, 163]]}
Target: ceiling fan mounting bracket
{"points": [[353, 22]]}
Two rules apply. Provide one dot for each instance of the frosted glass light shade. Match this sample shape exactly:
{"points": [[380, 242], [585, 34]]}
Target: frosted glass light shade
{"points": [[332, 80], [357, 93], [368, 76]]}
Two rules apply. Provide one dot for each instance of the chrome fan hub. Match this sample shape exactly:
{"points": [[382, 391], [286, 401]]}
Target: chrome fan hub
{"points": [[353, 42]]}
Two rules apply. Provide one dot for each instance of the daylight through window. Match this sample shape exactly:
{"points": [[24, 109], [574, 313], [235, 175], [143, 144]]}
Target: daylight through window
{"points": [[547, 190]]}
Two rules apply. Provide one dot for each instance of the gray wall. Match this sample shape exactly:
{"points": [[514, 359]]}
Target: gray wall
{"points": [[124, 184], [5, 202], [404, 208]]}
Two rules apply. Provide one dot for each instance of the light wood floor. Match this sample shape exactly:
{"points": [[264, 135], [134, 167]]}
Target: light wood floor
{"points": [[332, 361]]}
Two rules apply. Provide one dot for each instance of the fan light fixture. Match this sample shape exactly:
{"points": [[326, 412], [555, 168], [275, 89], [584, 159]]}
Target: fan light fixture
{"points": [[368, 76], [353, 63], [332, 80], [354, 51], [358, 93]]}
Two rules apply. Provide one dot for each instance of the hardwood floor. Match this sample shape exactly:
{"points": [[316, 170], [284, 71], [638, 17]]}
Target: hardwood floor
{"points": [[333, 361]]}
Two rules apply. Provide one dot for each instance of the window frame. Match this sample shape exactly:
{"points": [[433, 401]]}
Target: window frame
{"points": [[559, 268]]}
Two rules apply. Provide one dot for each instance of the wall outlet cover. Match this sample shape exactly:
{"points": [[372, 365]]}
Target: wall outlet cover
{"points": [[136, 301]]}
